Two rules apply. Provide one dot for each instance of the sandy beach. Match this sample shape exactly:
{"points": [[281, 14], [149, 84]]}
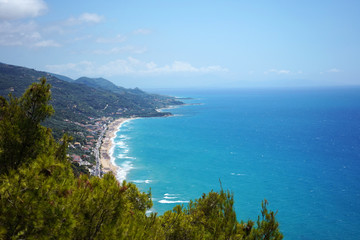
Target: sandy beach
{"points": [[105, 159]]}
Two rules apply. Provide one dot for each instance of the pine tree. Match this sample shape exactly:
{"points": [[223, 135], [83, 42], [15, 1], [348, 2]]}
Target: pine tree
{"points": [[22, 138]]}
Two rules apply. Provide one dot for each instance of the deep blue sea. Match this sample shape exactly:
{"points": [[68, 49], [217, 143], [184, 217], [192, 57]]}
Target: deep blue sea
{"points": [[297, 148]]}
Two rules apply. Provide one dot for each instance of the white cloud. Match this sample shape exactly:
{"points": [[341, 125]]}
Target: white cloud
{"points": [[30, 34], [129, 66], [72, 23], [81, 38], [90, 18], [178, 66], [84, 68], [135, 66], [17, 9], [142, 31], [23, 34], [334, 70], [119, 50], [47, 43], [117, 39], [278, 71], [12, 34], [85, 18]]}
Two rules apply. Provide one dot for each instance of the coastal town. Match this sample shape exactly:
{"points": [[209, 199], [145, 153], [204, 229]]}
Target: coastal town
{"points": [[87, 152], [91, 152]]}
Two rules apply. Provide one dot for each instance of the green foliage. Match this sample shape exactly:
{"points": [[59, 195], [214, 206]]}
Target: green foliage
{"points": [[213, 217], [40, 198], [21, 134], [33, 199], [267, 226]]}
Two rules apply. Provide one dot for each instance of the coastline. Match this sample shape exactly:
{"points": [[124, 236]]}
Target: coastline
{"points": [[106, 160]]}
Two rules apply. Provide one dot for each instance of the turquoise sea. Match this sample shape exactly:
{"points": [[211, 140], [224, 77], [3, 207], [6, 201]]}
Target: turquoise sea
{"points": [[298, 148]]}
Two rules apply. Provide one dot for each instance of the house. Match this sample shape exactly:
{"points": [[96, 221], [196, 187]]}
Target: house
{"points": [[86, 149], [76, 158]]}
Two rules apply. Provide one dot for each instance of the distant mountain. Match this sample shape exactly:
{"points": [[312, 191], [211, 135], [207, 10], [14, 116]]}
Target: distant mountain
{"points": [[86, 97], [135, 95], [100, 83], [61, 77], [107, 85]]}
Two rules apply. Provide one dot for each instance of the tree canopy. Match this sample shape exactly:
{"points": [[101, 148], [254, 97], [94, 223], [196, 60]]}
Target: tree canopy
{"points": [[41, 198]]}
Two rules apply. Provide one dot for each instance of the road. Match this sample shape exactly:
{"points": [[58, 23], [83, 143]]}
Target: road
{"points": [[97, 171]]}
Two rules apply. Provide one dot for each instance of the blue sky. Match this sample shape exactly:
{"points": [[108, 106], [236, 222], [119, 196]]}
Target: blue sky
{"points": [[165, 44]]}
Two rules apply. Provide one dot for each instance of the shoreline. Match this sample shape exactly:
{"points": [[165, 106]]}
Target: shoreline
{"points": [[106, 160]]}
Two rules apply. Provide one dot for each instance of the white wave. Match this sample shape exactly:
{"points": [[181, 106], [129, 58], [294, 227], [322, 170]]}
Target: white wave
{"points": [[124, 137], [166, 197], [124, 169], [167, 108], [123, 156], [120, 144], [177, 201], [125, 123], [142, 181], [238, 174]]}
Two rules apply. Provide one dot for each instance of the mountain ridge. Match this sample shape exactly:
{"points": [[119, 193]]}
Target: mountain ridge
{"points": [[16, 79]]}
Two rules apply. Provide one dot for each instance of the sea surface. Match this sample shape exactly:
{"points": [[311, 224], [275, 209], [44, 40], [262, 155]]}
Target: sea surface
{"points": [[297, 148]]}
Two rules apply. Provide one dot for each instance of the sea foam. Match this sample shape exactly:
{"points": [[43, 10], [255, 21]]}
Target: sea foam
{"points": [[124, 169], [166, 197], [123, 161], [142, 181], [177, 201]]}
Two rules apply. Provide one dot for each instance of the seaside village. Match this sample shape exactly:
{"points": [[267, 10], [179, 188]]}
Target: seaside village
{"points": [[86, 150]]}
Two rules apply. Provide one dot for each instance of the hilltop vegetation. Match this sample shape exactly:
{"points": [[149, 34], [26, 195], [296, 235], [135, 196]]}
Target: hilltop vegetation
{"points": [[40, 198]]}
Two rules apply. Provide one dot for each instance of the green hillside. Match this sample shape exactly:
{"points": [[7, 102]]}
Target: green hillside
{"points": [[83, 107], [135, 95], [85, 97], [100, 83]]}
